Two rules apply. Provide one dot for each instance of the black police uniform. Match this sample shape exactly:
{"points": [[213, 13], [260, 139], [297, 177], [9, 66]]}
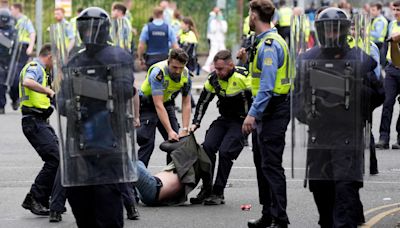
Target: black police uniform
{"points": [[338, 201], [99, 205], [41, 135], [225, 133], [7, 30]]}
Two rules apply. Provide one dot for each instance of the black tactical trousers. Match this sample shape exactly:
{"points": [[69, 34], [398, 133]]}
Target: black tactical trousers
{"points": [[3, 88], [58, 195], [97, 205], [268, 146], [392, 89], [338, 203], [225, 136], [43, 138], [146, 133]]}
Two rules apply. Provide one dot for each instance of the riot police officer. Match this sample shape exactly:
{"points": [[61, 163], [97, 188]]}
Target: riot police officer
{"points": [[95, 107], [232, 86], [336, 90], [7, 36], [269, 113], [157, 109], [36, 109]]}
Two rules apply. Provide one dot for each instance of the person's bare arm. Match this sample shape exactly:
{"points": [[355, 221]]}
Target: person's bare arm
{"points": [[163, 116], [33, 85], [136, 109], [140, 52], [32, 39], [186, 110]]}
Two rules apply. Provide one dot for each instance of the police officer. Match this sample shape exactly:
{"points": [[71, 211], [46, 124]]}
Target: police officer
{"points": [[378, 30], [8, 34], [26, 41], [121, 31], [35, 98], [336, 125], [64, 28], [92, 158], [157, 107], [232, 87], [155, 39], [392, 83], [270, 112], [284, 15]]}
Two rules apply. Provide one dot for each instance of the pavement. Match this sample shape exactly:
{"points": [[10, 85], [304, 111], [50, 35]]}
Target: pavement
{"points": [[19, 164]]}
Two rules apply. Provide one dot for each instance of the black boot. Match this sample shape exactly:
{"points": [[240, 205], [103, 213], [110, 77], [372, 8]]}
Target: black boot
{"points": [[262, 222], [27, 204], [203, 194], [132, 212], [396, 146], [381, 144], [38, 209], [55, 216]]}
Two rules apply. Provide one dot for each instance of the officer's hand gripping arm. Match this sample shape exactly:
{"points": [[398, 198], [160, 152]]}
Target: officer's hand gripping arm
{"points": [[186, 109], [163, 116]]}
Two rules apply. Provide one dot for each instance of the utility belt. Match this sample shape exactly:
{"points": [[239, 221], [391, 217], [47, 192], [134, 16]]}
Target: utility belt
{"points": [[147, 103], [232, 115], [38, 113], [276, 101]]}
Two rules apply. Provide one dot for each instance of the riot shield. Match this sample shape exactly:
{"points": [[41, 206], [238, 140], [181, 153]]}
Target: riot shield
{"points": [[121, 33], [328, 109], [298, 45], [96, 125], [16, 52], [7, 40], [360, 25]]}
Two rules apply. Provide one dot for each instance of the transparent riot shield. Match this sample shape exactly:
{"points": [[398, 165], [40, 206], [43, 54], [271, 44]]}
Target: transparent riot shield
{"points": [[96, 125], [7, 41], [329, 112], [121, 33], [13, 64], [298, 45], [360, 24]]}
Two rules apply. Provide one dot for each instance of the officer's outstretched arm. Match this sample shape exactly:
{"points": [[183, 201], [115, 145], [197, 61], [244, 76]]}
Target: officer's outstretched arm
{"points": [[163, 116], [186, 108], [136, 108]]}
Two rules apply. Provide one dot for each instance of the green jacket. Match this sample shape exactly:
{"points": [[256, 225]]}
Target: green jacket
{"points": [[191, 163]]}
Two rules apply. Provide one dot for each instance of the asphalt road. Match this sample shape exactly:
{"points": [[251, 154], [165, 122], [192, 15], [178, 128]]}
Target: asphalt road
{"points": [[19, 164]]}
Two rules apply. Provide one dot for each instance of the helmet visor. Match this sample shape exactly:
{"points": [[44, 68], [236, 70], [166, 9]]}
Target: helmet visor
{"points": [[332, 33], [93, 30]]}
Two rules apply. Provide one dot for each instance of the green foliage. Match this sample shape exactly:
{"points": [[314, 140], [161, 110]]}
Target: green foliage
{"points": [[142, 11]]}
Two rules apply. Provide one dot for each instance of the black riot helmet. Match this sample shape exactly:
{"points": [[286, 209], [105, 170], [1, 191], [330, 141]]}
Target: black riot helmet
{"points": [[333, 27], [93, 25], [5, 18]]}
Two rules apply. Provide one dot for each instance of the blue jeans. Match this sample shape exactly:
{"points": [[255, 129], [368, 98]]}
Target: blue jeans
{"points": [[146, 185]]}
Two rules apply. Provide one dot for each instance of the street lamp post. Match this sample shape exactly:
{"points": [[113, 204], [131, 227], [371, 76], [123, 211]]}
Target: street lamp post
{"points": [[39, 24]]}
